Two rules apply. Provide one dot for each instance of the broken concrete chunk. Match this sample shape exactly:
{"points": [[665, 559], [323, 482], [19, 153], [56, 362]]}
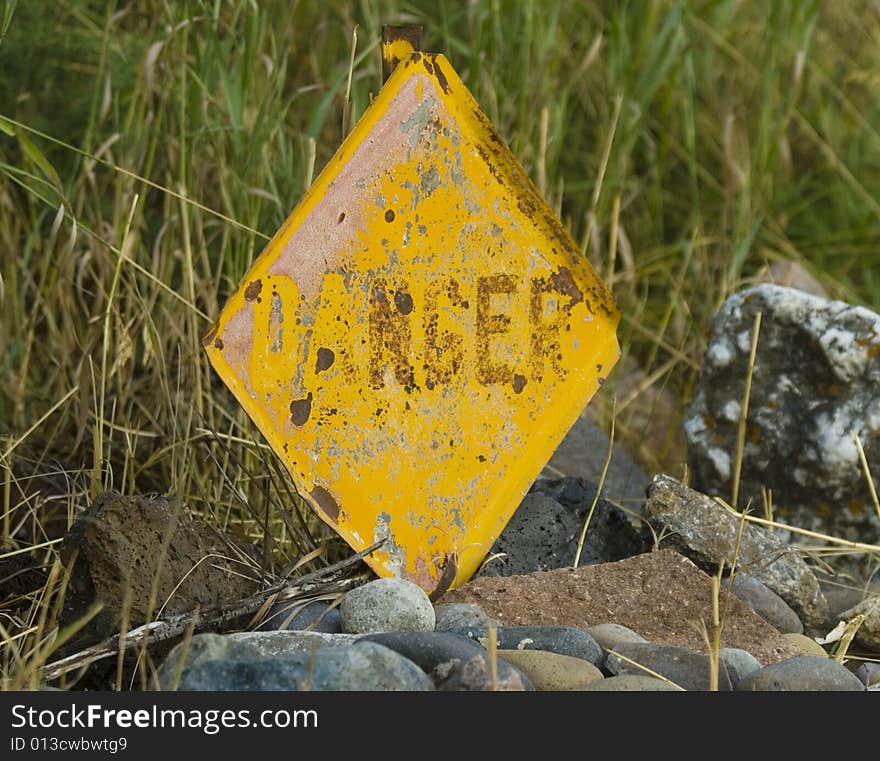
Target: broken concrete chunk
{"points": [[706, 532], [815, 385]]}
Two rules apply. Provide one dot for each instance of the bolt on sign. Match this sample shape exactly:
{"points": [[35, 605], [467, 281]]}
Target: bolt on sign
{"points": [[420, 334]]}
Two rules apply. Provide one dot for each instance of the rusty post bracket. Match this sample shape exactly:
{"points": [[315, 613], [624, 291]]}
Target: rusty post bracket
{"points": [[398, 44]]}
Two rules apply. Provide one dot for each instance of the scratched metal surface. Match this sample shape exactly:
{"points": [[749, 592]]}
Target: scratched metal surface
{"points": [[420, 334]]}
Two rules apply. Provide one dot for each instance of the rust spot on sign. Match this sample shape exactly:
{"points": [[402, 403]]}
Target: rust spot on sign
{"points": [[300, 410], [324, 360], [252, 292], [326, 502]]}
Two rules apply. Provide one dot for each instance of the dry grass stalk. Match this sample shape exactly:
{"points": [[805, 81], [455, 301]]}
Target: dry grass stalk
{"points": [[648, 671], [583, 534], [744, 411]]}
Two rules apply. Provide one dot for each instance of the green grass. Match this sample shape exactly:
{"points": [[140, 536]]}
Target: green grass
{"points": [[148, 150]]}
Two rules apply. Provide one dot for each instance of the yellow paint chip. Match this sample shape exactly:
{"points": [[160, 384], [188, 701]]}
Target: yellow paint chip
{"points": [[419, 335]]}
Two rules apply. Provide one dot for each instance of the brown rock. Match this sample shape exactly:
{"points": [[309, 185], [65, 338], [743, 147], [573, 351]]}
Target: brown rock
{"points": [[662, 595], [805, 645], [117, 546], [552, 671]]}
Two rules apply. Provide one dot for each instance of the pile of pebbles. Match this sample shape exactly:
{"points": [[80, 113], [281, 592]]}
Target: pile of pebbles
{"points": [[386, 635]]}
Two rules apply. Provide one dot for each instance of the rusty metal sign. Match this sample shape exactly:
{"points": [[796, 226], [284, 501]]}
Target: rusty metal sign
{"points": [[419, 335]]}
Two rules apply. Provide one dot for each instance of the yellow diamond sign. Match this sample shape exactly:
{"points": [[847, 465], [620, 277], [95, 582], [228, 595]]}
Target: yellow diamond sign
{"points": [[418, 337]]}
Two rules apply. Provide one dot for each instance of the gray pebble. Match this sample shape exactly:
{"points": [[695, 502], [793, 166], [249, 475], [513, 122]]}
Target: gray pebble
{"points": [[360, 667], [686, 668], [739, 661], [766, 603], [610, 635], [563, 640], [452, 616], [804, 673], [630, 683], [387, 605], [316, 615], [869, 675], [455, 663], [245, 646]]}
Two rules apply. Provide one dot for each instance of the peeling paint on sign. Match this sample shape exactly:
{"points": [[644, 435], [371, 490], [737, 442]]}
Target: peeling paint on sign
{"points": [[418, 337]]}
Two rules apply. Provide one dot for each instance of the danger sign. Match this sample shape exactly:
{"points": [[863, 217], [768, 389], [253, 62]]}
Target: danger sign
{"points": [[418, 337]]}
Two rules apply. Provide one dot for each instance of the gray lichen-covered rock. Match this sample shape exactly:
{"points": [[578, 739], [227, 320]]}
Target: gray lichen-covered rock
{"points": [[815, 384], [707, 533], [543, 533], [387, 605]]}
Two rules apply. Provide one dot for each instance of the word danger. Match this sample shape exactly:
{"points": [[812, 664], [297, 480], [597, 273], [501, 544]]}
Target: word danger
{"points": [[497, 329]]}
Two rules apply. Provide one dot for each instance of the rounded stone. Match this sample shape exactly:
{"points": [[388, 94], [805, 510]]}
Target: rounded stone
{"points": [[564, 640], [869, 675], [610, 636], [387, 605], [688, 669], [454, 662], [803, 673], [552, 671], [243, 646], [367, 666], [316, 616], [805, 645], [453, 616], [631, 683], [363, 666], [868, 634], [738, 661], [766, 603]]}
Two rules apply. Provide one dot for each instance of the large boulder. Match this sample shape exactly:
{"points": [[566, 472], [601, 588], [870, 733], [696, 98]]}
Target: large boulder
{"points": [[815, 385]]}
